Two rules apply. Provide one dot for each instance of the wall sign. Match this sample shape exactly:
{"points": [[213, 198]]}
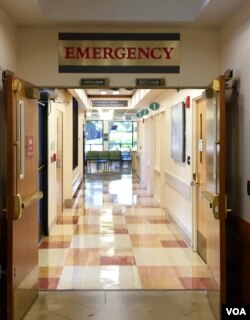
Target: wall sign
{"points": [[139, 114], [145, 112], [154, 106], [119, 52]]}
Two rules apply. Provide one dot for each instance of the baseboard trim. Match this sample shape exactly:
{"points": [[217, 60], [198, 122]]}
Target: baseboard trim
{"points": [[187, 237]]}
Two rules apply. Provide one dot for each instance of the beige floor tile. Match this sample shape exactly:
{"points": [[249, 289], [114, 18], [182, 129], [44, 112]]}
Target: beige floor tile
{"points": [[52, 257], [101, 241], [99, 277], [121, 305]]}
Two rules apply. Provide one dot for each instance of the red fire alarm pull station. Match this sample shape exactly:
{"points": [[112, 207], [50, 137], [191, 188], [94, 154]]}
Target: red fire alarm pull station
{"points": [[29, 147], [53, 157], [187, 102]]}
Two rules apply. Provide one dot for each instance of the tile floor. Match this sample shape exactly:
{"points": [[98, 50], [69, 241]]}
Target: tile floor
{"points": [[121, 305], [115, 236]]}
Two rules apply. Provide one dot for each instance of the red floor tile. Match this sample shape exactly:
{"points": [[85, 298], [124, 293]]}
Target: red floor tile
{"points": [[158, 220], [120, 230], [118, 260], [48, 283], [67, 220], [54, 244], [174, 244], [199, 283]]}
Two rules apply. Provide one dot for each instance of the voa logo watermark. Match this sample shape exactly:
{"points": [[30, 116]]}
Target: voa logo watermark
{"points": [[231, 311], [236, 311]]}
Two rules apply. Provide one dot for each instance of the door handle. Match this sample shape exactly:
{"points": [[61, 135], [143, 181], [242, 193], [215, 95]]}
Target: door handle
{"points": [[213, 200], [194, 183], [196, 180], [20, 204]]}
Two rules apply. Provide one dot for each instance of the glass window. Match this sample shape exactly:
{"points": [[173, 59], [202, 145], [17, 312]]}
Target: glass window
{"points": [[94, 135], [122, 135]]}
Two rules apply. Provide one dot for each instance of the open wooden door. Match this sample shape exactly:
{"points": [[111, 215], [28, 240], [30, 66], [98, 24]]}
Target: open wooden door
{"points": [[59, 164], [199, 178], [22, 196], [3, 220], [209, 181]]}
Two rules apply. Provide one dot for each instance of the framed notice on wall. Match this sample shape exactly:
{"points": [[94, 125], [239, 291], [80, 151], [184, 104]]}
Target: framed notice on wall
{"points": [[178, 123]]}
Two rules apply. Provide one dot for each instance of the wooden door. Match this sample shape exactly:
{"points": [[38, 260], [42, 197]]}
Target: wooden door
{"points": [[3, 220], [211, 188], [22, 197], [199, 178], [59, 163]]}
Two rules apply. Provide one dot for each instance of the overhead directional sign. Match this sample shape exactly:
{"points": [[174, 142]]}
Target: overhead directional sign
{"points": [[150, 82], [109, 103], [94, 82]]}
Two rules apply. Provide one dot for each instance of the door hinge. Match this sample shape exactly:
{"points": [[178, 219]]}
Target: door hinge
{"points": [[216, 85]]}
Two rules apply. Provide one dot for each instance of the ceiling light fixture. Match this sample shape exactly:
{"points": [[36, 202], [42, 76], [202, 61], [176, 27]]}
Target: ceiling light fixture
{"points": [[103, 92], [116, 92]]}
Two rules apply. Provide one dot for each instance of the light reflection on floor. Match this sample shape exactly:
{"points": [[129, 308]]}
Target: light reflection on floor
{"points": [[117, 237]]}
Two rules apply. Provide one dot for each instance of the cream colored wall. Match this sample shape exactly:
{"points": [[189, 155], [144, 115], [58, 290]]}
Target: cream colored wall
{"points": [[168, 180], [38, 57], [68, 175], [235, 53], [179, 203], [8, 44], [52, 143], [64, 104]]}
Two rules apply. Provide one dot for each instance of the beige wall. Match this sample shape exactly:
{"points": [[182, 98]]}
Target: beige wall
{"points": [[38, 60], [64, 104], [8, 44], [161, 170]]}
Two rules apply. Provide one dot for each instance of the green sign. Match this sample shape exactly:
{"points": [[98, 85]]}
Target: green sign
{"points": [[144, 112], [139, 114], [154, 106]]}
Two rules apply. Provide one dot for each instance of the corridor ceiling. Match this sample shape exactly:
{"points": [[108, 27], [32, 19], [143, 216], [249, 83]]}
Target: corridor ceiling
{"points": [[198, 13]]}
